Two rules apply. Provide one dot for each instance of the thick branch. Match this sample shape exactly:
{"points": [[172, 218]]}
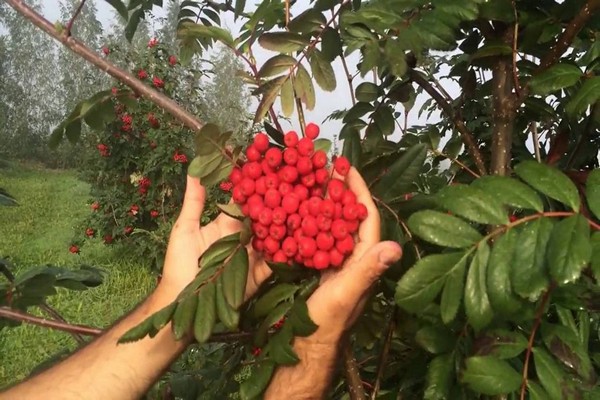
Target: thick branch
{"points": [[503, 115], [355, 385], [458, 123], [123, 76]]}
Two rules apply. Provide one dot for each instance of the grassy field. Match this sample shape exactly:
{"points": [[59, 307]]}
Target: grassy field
{"points": [[38, 232]]}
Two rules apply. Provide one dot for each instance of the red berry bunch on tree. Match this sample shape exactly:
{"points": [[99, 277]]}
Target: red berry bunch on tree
{"points": [[300, 212]]}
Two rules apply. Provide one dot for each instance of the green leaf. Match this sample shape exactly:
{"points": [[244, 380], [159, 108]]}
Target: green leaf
{"points": [[162, 317], [558, 76], [565, 345], [209, 140], [257, 382], [299, 319], [473, 204], [443, 229], [274, 133], [331, 44], [536, 392], [492, 50], [357, 111], [280, 349], [510, 191], [435, 340], [421, 284], [308, 21], [549, 181], [499, 285], [402, 174], [183, 318], [529, 276], [304, 88], [500, 343], [367, 92], [189, 29], [287, 98], [323, 144], [549, 373], [120, 7], [287, 273], [569, 249], [203, 165], [220, 173], [229, 316], [235, 275], [232, 209], [273, 297], [220, 250], [132, 24], [322, 71], [239, 7], [206, 315], [138, 332], [452, 294], [477, 304], [283, 42], [352, 149], [596, 255], [270, 90], [274, 316], [383, 117], [589, 93], [395, 57], [276, 65], [440, 374], [592, 187], [490, 376]]}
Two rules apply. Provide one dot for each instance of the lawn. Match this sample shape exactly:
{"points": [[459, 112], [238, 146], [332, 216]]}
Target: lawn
{"points": [[38, 232]]}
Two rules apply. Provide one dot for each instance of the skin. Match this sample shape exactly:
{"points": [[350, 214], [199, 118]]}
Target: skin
{"points": [[106, 370]]}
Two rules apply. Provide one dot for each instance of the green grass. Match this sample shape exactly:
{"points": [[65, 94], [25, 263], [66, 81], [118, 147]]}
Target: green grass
{"points": [[38, 232]]}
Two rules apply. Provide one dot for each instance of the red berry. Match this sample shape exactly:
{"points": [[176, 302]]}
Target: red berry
{"points": [[172, 60], [286, 189], [342, 165], [301, 191], [305, 147], [261, 142], [265, 217], [289, 174], [253, 154], [325, 241], [321, 175], [289, 247], [252, 170], [157, 82], [245, 209], [336, 189], [89, 232], [271, 245], [225, 186], [309, 226], [513, 218], [345, 245], [108, 239], [304, 166], [290, 139], [362, 211], [266, 169], [339, 210], [105, 50], [254, 210], [280, 257], [256, 351], [293, 222], [260, 186], [261, 231], [348, 197], [235, 176], [319, 159], [290, 203], [309, 263], [272, 198], [307, 247], [350, 212], [255, 199], [279, 216], [272, 181], [74, 249], [290, 156], [128, 230], [352, 226], [323, 222], [314, 206], [303, 208], [247, 186], [95, 206], [258, 244], [339, 229], [154, 214], [327, 208], [277, 232], [317, 192], [308, 180], [311, 131], [321, 259], [298, 235], [273, 157], [336, 258], [237, 195]]}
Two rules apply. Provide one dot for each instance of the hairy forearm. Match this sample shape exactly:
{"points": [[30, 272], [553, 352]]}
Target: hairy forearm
{"points": [[105, 369], [311, 377]]}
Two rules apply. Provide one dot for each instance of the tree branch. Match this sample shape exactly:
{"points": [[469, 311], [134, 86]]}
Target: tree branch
{"points": [[355, 385], [384, 354], [459, 124], [55, 314], [75, 15], [128, 79]]}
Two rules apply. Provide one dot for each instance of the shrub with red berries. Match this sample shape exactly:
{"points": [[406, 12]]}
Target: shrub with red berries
{"points": [[301, 211]]}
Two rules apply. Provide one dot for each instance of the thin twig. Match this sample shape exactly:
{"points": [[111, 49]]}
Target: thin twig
{"points": [[457, 162], [515, 43], [349, 77], [356, 390], [400, 222], [536, 140], [536, 325], [75, 15], [54, 314], [384, 354]]}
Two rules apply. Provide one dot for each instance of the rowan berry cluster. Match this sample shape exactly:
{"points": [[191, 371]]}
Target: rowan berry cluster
{"points": [[299, 212]]}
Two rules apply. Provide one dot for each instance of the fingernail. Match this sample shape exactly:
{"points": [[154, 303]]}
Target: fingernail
{"points": [[390, 254]]}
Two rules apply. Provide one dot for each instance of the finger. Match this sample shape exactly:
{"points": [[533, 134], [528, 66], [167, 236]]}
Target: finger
{"points": [[360, 274], [193, 201], [369, 230]]}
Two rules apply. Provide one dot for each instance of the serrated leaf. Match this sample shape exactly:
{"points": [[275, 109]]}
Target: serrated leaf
{"points": [[120, 7], [162, 317], [322, 71], [383, 117], [270, 90], [183, 317], [219, 250], [477, 304], [304, 88], [500, 291], [473, 204], [257, 382], [137, 332], [528, 275], [452, 294], [226, 314], [205, 312], [589, 93], [367, 92], [490, 376], [357, 111], [276, 65], [549, 373], [440, 374], [299, 319], [402, 174], [235, 275], [558, 76], [592, 187], [287, 98], [569, 249], [549, 181], [308, 21], [273, 297], [331, 44], [443, 229], [500, 343], [283, 42], [421, 284], [395, 57], [510, 192], [435, 340]]}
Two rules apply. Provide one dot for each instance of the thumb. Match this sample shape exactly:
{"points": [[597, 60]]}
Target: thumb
{"points": [[367, 270], [193, 201]]}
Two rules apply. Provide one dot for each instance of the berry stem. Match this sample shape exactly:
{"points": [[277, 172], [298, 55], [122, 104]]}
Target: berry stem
{"points": [[72, 20]]}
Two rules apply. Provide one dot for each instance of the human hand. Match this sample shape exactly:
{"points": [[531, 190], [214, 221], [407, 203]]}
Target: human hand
{"points": [[188, 241]]}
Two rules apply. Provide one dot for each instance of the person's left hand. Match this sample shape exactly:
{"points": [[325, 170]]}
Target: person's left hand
{"points": [[188, 241]]}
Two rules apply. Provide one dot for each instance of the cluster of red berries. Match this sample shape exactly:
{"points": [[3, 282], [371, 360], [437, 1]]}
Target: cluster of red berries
{"points": [[180, 158], [298, 211], [153, 120], [103, 149], [157, 82], [226, 186]]}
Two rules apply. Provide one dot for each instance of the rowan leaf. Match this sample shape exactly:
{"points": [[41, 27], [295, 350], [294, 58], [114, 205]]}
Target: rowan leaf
{"points": [[434, 339], [304, 88], [549, 373], [287, 98], [270, 90], [233, 210], [273, 297], [235, 275], [257, 382], [473, 204], [569, 249], [558, 76], [280, 348], [331, 44], [367, 92], [219, 250], [203, 165], [183, 317], [402, 174], [588, 93], [440, 374], [490, 376], [500, 291], [443, 229], [162, 317], [477, 304], [138, 332], [228, 315], [500, 343], [452, 294], [322, 71], [276, 65], [550, 182], [510, 191], [283, 42], [205, 315]]}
